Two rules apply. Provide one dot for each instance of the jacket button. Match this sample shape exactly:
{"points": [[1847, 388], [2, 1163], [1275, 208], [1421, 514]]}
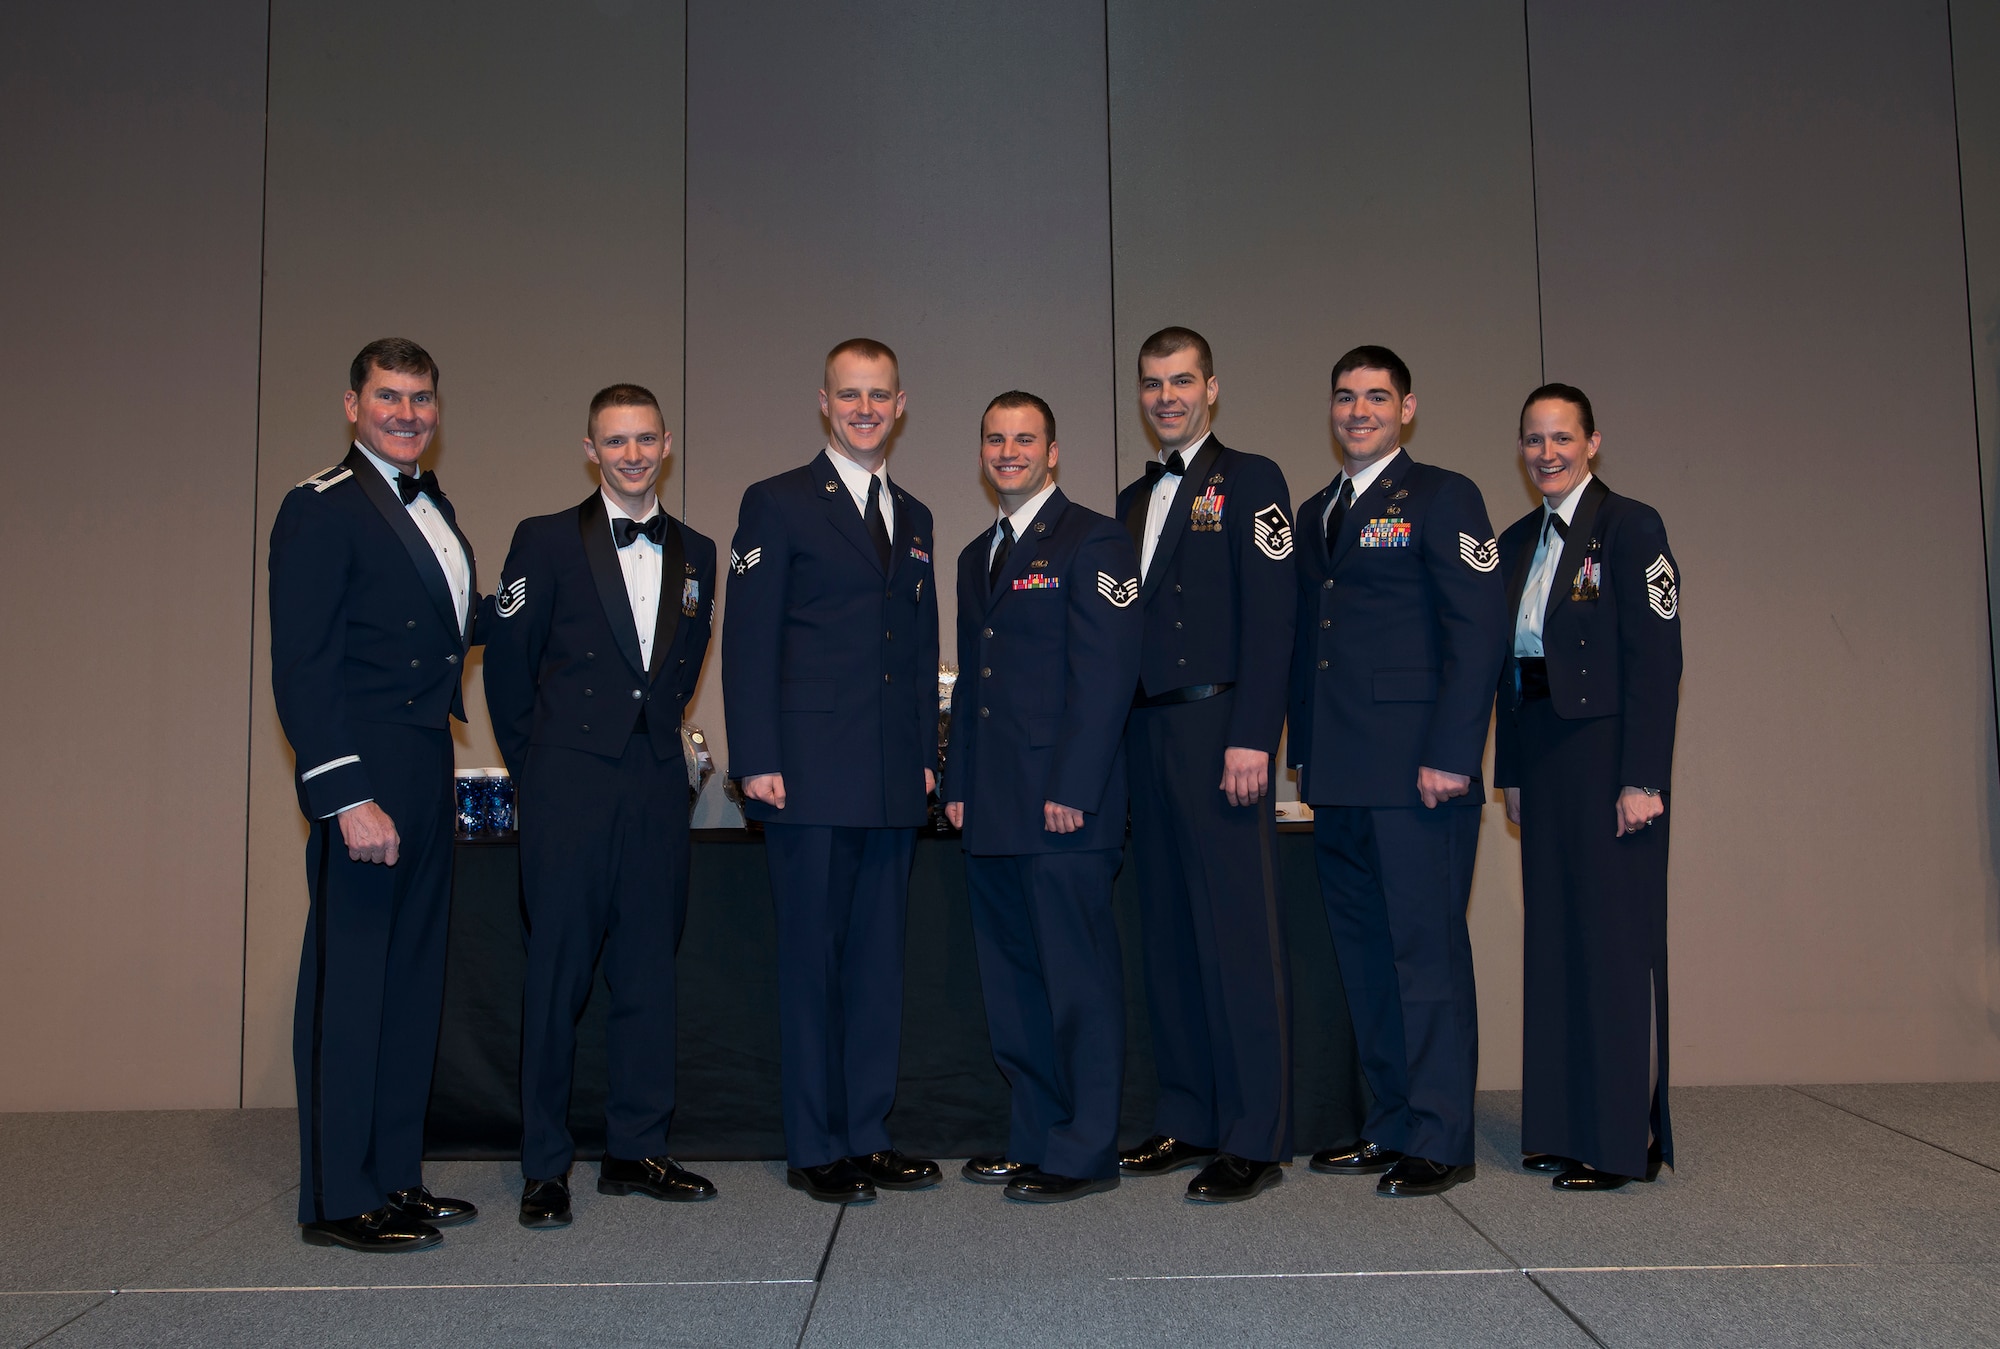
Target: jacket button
{"points": [[1586, 672], [986, 672], [589, 693], [636, 694], [586, 728], [410, 623], [1327, 584], [888, 679], [451, 660], [1322, 665], [1181, 661], [1177, 622], [889, 636], [415, 663], [590, 655], [987, 633], [985, 711], [1581, 642], [1177, 587], [1583, 700], [412, 702], [1326, 622]]}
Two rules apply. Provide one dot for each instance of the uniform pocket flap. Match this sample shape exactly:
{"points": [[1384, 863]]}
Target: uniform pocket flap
{"points": [[1406, 686], [805, 695]]}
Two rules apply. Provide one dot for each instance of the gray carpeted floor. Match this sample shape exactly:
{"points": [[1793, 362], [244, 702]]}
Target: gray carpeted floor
{"points": [[1820, 1216]]}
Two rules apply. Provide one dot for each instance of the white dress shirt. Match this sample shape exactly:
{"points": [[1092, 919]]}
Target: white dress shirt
{"points": [[1362, 481], [451, 556], [1542, 572], [1162, 501], [856, 478], [640, 560], [1020, 519]]}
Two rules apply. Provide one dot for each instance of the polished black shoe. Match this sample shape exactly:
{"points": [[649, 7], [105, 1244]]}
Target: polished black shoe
{"points": [[1039, 1187], [1416, 1176], [993, 1170], [1363, 1158], [545, 1203], [378, 1232], [837, 1182], [1577, 1176], [661, 1177], [1548, 1163], [891, 1170], [423, 1206], [1161, 1154], [1229, 1178]]}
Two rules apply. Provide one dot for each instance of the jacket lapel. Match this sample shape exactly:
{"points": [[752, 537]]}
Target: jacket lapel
{"points": [[593, 522], [832, 494], [1375, 500], [1026, 544], [674, 576], [1517, 575], [1193, 483], [1576, 546], [429, 570]]}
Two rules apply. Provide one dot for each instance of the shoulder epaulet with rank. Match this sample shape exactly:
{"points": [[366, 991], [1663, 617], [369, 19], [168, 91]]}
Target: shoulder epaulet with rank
{"points": [[326, 478]]}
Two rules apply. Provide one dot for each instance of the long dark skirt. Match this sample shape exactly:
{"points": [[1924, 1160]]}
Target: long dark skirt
{"points": [[1595, 951]]}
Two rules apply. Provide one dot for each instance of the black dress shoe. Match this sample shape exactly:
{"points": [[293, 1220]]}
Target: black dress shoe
{"points": [[1229, 1178], [1363, 1158], [380, 1231], [891, 1170], [1577, 1176], [1548, 1163], [1415, 1176], [545, 1203], [1039, 1187], [426, 1207], [1161, 1154], [993, 1170], [661, 1177], [838, 1182]]}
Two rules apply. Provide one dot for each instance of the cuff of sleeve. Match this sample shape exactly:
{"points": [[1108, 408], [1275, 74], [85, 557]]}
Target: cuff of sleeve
{"points": [[335, 787]]}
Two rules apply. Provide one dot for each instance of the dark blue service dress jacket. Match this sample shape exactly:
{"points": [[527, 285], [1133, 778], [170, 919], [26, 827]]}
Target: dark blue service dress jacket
{"points": [[562, 653], [1401, 632], [1047, 659], [829, 663]]}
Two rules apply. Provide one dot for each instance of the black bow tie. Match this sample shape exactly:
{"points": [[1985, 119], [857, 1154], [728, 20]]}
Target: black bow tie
{"points": [[626, 531], [1559, 525], [1174, 467], [412, 487]]}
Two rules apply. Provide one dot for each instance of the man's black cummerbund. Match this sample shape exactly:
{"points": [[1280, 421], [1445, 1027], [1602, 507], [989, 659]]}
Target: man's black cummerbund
{"points": [[1193, 693]]}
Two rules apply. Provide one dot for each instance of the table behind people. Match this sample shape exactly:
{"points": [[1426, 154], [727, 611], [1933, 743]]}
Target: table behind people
{"points": [[1589, 699], [1215, 542], [1048, 653], [372, 589], [829, 670], [1401, 629], [594, 646]]}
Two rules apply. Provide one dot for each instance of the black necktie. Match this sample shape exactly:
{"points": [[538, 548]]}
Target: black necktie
{"points": [[626, 532], [1337, 517], [1175, 466], [412, 487], [1000, 554], [877, 530]]}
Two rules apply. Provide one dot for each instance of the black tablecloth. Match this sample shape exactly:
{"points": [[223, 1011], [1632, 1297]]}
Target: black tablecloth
{"points": [[951, 1101]]}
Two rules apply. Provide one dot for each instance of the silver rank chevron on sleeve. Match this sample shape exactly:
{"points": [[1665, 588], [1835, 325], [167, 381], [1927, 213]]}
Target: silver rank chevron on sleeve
{"points": [[326, 477], [1663, 591], [744, 562], [1479, 556], [513, 597], [1120, 593], [1273, 532]]}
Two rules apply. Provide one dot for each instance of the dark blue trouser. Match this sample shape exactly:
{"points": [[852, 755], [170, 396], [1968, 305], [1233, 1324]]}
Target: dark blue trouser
{"points": [[841, 896], [1054, 983], [1395, 882], [604, 869], [371, 983], [1218, 981]]}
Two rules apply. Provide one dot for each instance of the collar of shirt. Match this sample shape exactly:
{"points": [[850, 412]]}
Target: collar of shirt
{"points": [[1567, 507], [1362, 481], [1021, 518], [389, 471], [856, 478]]}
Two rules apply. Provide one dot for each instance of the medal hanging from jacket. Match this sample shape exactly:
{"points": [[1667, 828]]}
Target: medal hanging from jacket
{"points": [[1589, 580], [691, 597], [1205, 515]]}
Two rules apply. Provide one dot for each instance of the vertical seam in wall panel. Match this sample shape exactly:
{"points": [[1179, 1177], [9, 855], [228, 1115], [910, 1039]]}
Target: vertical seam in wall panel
{"points": [[686, 6], [1972, 367], [1111, 250], [250, 685], [1534, 186]]}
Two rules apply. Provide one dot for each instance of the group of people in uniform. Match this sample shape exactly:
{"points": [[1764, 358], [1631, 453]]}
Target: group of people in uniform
{"points": [[1141, 668]]}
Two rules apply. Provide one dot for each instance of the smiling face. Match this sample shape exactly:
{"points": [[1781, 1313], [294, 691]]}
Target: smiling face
{"points": [[1175, 397], [1368, 416], [630, 446], [862, 399], [394, 415], [1015, 453], [1554, 447]]}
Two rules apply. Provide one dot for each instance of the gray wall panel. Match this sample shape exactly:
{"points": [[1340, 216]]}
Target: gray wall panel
{"points": [[1751, 260], [501, 182], [128, 365]]}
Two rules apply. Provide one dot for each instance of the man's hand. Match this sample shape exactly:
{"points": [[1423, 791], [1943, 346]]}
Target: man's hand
{"points": [[1513, 805], [1246, 775], [370, 835], [766, 787], [955, 812], [930, 781], [1060, 819], [1636, 810], [1436, 788]]}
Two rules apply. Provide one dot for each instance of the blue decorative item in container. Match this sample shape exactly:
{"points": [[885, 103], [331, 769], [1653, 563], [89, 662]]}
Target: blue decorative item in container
{"points": [[485, 804]]}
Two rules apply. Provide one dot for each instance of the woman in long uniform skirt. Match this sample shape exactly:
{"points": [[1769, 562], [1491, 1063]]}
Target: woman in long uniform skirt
{"points": [[1587, 705]]}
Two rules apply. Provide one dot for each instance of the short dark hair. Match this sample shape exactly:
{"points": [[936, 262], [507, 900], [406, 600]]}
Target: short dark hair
{"points": [[397, 354], [1167, 341], [619, 396], [1567, 393], [869, 350], [1374, 358], [1019, 398]]}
